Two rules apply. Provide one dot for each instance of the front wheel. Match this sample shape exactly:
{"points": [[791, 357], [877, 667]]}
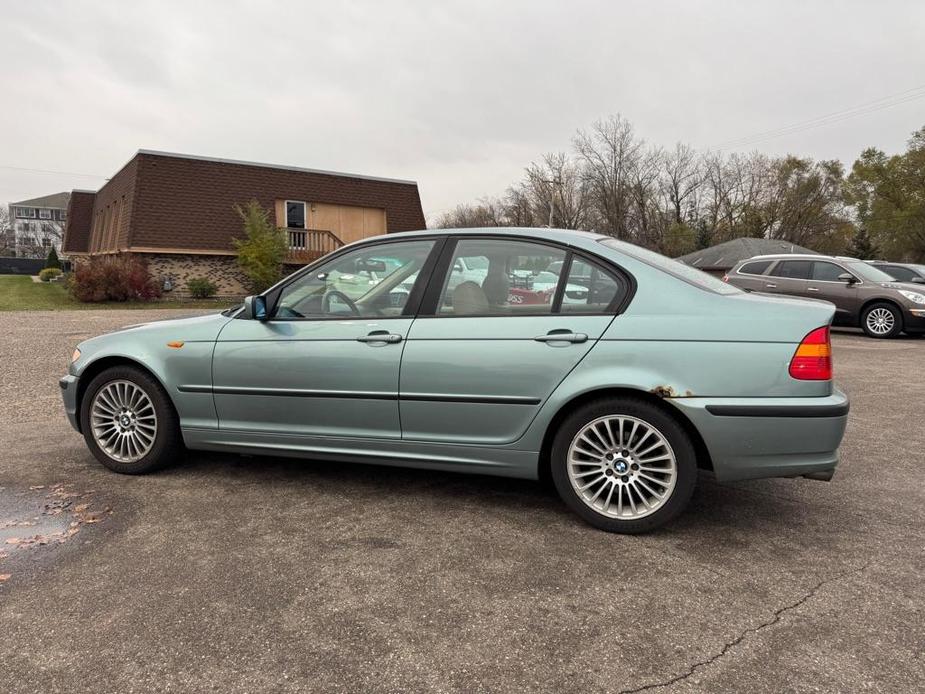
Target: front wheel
{"points": [[882, 320], [128, 421], [623, 465]]}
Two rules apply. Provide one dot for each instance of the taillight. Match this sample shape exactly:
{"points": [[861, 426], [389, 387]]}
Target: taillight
{"points": [[813, 359]]}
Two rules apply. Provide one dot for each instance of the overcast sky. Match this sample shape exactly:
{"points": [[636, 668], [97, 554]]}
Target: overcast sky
{"points": [[459, 96]]}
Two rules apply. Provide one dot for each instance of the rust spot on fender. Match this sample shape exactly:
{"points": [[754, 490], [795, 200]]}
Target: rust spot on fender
{"points": [[669, 392]]}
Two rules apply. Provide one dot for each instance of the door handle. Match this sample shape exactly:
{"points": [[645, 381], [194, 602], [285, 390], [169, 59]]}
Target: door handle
{"points": [[771, 286], [380, 336], [811, 289], [562, 336]]}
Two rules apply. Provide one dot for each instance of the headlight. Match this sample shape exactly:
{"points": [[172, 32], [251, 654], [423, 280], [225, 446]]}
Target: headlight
{"points": [[76, 355], [914, 297]]}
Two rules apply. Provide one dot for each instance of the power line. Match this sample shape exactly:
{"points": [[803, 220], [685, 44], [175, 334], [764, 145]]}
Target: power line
{"points": [[48, 171], [865, 108]]}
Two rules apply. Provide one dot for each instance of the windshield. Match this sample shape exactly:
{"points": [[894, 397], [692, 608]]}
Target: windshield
{"points": [[868, 272], [684, 272]]}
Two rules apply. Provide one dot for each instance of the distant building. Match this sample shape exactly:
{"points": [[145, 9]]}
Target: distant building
{"points": [[719, 259], [176, 211], [38, 225]]}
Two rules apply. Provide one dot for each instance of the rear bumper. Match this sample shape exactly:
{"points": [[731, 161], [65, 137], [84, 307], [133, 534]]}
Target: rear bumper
{"points": [[69, 393], [751, 438]]}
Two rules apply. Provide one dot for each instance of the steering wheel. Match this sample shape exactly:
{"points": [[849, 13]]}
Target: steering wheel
{"points": [[343, 298]]}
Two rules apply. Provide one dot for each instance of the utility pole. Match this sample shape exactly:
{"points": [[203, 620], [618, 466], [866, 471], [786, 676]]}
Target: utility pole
{"points": [[557, 185]]}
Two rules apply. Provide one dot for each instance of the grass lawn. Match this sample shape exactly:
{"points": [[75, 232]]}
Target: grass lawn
{"points": [[20, 293]]}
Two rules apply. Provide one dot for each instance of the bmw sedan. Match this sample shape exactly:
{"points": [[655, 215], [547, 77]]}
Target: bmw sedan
{"points": [[618, 398]]}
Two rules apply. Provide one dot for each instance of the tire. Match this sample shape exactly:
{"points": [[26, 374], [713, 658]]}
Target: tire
{"points": [[882, 320], [147, 439], [619, 487]]}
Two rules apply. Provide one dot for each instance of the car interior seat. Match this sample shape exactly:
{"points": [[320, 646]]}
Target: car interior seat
{"points": [[469, 300]]}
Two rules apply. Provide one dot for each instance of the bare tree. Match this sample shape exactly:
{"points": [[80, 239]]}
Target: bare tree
{"points": [[558, 190], [610, 153], [7, 241]]}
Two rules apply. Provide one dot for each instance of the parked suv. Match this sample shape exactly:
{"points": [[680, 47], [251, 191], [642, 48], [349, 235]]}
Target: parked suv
{"points": [[864, 296], [901, 272]]}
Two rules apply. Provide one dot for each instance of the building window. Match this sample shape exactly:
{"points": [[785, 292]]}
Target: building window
{"points": [[44, 214], [25, 212], [46, 243], [295, 214]]}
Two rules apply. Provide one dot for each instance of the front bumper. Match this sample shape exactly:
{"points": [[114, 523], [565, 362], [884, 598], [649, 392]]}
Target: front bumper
{"points": [[69, 393], [751, 438], [914, 320]]}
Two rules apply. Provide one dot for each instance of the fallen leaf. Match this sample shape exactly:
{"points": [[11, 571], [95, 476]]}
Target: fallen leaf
{"points": [[38, 486], [3, 555], [13, 540], [80, 508], [4, 577]]}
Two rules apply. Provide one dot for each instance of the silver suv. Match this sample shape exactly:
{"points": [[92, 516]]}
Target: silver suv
{"points": [[864, 296]]}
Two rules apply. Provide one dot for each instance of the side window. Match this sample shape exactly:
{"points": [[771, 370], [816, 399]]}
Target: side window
{"points": [[589, 289], [370, 282], [754, 268], [500, 277], [794, 269], [903, 274], [827, 272]]}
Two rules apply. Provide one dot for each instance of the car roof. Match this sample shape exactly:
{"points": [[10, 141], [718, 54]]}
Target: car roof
{"points": [[891, 262], [798, 256], [561, 235]]}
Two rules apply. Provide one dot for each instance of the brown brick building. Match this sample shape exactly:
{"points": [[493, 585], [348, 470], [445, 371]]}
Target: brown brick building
{"points": [[177, 211]]}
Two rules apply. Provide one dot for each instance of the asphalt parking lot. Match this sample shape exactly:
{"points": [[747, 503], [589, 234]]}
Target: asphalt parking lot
{"points": [[253, 574]]}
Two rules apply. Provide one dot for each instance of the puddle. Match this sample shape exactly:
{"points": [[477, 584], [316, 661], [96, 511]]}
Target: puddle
{"points": [[36, 519]]}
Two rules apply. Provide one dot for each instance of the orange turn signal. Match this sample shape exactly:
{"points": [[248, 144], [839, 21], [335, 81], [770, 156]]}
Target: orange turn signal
{"points": [[813, 359], [176, 344]]}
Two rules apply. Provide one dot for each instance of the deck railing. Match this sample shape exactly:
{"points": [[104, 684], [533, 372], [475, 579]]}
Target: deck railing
{"points": [[307, 245]]}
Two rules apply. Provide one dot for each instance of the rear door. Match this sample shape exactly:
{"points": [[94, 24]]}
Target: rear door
{"points": [[750, 275], [789, 277], [482, 357]]}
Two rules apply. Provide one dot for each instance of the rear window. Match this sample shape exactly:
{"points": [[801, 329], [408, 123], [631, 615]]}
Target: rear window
{"points": [[683, 272], [756, 267]]}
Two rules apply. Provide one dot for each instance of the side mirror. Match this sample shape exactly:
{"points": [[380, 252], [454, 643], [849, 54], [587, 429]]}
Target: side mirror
{"points": [[918, 280], [255, 308], [847, 277]]}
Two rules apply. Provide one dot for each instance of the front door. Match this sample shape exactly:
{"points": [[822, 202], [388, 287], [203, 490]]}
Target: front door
{"points": [[825, 284], [486, 353], [326, 363]]}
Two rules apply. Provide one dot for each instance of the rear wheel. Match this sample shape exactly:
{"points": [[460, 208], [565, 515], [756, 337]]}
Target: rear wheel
{"points": [[128, 421], [882, 320], [623, 465]]}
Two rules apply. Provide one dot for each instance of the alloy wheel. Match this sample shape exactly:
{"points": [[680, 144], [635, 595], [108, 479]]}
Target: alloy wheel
{"points": [[123, 420], [622, 467], [881, 321]]}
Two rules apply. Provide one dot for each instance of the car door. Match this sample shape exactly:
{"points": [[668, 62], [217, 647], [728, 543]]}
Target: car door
{"points": [[750, 276], [789, 277], [481, 358], [824, 284], [326, 362]]}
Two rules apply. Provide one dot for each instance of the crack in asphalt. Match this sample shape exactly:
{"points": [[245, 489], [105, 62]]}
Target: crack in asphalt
{"points": [[775, 618]]}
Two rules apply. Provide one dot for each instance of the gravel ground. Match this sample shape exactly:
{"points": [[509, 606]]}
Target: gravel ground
{"points": [[260, 574]]}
